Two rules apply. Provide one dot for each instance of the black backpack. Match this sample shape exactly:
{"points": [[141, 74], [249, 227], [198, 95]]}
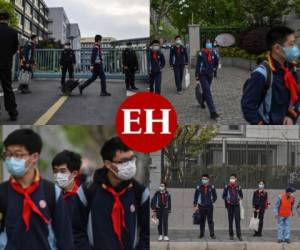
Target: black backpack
{"points": [[49, 189]]}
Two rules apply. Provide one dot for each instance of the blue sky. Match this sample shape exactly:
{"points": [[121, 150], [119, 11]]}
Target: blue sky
{"points": [[117, 18]]}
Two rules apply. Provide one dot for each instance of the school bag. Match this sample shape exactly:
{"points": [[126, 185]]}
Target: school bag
{"points": [[69, 86]]}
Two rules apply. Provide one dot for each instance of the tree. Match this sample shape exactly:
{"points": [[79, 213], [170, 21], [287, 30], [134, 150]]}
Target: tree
{"points": [[7, 6], [188, 143], [50, 44]]}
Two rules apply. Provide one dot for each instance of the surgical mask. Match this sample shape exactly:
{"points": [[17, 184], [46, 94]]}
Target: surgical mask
{"points": [[205, 181], [162, 189], [16, 167], [178, 42], [291, 53], [261, 186], [156, 48], [62, 180], [208, 45], [67, 47], [232, 181], [126, 170]]}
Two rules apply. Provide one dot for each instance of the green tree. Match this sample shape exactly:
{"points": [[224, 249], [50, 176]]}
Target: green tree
{"points": [[188, 142], [7, 6]]}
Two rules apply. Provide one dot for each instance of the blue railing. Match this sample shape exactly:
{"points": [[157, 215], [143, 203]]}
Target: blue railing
{"points": [[48, 63]]}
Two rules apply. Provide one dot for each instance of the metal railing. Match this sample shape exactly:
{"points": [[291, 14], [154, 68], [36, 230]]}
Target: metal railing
{"points": [[48, 63]]}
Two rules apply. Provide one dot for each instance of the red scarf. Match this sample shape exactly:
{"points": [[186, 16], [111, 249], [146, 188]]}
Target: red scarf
{"points": [[155, 57], [72, 191], [209, 54], [163, 198], [205, 189], [118, 213], [178, 50], [291, 84], [28, 204]]}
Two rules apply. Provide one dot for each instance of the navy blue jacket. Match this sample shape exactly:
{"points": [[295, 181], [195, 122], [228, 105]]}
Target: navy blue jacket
{"points": [[67, 57], [29, 52], [155, 66], [156, 202], [92, 223], [97, 57], [178, 59], [255, 91], [8, 45], [56, 235], [205, 200], [260, 200], [232, 196], [203, 67]]}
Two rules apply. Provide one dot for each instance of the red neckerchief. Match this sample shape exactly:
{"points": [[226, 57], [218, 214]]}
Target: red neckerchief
{"points": [[77, 179], [72, 191], [118, 212], [28, 204], [205, 189], [209, 54], [155, 56], [178, 50], [163, 198]]}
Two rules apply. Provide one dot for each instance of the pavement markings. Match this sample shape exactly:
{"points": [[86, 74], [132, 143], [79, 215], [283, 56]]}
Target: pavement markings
{"points": [[44, 119]]}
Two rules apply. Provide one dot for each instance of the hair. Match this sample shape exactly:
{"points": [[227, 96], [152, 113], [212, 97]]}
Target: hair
{"points": [[277, 34], [205, 175], [33, 36], [71, 159], [233, 175], [110, 148], [178, 36], [4, 16], [98, 38], [262, 182], [67, 43], [163, 182], [25, 137], [154, 41]]}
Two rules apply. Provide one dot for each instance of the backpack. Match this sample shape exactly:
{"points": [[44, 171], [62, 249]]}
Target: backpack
{"points": [[49, 189]]}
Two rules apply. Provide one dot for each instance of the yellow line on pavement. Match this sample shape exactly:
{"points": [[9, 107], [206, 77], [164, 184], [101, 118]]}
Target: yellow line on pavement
{"points": [[44, 119]]}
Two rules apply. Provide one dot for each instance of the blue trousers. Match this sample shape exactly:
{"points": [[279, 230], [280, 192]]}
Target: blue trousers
{"points": [[178, 72], [97, 72], [207, 96], [284, 228], [155, 82]]}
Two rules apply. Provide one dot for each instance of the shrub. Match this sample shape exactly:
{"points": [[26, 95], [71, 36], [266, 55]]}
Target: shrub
{"points": [[255, 41]]}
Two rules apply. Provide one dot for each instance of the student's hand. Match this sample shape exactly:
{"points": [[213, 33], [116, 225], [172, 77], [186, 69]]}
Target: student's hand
{"points": [[125, 67], [287, 121]]}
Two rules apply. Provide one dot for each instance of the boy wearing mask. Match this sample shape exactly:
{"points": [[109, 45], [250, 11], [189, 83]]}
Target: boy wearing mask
{"points": [[204, 198], [232, 195], [161, 206], [283, 210], [260, 204], [113, 211], [156, 64], [34, 215], [66, 166], [178, 60], [271, 95]]}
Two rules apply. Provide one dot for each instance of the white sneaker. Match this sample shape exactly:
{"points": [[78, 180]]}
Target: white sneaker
{"points": [[166, 238], [160, 238]]}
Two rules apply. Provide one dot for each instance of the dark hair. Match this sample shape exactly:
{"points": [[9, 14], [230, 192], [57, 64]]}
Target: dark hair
{"points": [[277, 34], [155, 41], [233, 175], [72, 159], [205, 175], [178, 36], [25, 137], [33, 36], [262, 182], [68, 43], [110, 148], [98, 38], [4, 16], [163, 182]]}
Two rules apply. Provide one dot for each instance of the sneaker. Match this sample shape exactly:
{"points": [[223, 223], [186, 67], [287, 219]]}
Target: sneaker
{"points": [[280, 241], [213, 237], [13, 115], [105, 94], [214, 116], [240, 238], [160, 238], [287, 241], [201, 236], [203, 106], [166, 238], [134, 88], [179, 92], [231, 238]]}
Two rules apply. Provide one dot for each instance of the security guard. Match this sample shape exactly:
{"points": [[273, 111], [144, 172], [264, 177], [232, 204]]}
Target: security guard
{"points": [[96, 68], [206, 62], [130, 66], [178, 60], [156, 64], [8, 47], [67, 62], [232, 195], [204, 198]]}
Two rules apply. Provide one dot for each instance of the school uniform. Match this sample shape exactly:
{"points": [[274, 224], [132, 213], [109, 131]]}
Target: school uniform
{"points": [[260, 202], [156, 64], [67, 62], [70, 197]]}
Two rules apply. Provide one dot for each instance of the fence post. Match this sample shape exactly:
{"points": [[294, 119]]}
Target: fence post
{"points": [[194, 42]]}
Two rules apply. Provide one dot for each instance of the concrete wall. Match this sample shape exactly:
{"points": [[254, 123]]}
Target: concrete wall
{"points": [[59, 24], [182, 210]]}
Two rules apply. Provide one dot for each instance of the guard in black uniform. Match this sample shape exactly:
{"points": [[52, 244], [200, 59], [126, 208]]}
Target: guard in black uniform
{"points": [[67, 62], [130, 66], [8, 47]]}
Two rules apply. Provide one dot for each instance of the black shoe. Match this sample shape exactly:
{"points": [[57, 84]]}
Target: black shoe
{"points": [[25, 91], [135, 88], [255, 234], [105, 94], [240, 238], [203, 106], [201, 236], [214, 116], [213, 237], [231, 238], [280, 241], [13, 115], [128, 88], [287, 241], [80, 89]]}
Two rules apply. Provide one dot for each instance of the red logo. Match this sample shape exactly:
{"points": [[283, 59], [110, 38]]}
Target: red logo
{"points": [[146, 122]]}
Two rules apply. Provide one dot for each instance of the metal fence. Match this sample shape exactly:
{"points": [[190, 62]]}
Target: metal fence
{"points": [[278, 163], [48, 63]]}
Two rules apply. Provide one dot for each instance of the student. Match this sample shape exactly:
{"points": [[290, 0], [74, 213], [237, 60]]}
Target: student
{"points": [[204, 198], [156, 64], [232, 195], [161, 207], [97, 68], [66, 166], [283, 210], [271, 95], [113, 211], [34, 215], [260, 204], [178, 61], [204, 73], [130, 66], [67, 62]]}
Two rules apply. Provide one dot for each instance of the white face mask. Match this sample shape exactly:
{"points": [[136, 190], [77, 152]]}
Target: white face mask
{"points": [[162, 188], [63, 180], [126, 170], [232, 181], [261, 186]]}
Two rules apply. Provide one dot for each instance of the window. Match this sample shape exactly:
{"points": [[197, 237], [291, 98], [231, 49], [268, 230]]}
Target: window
{"points": [[27, 25], [19, 3], [19, 18], [28, 9], [35, 15]]}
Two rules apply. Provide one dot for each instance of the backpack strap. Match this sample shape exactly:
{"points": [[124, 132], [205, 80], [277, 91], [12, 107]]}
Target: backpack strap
{"points": [[3, 203], [50, 196]]}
